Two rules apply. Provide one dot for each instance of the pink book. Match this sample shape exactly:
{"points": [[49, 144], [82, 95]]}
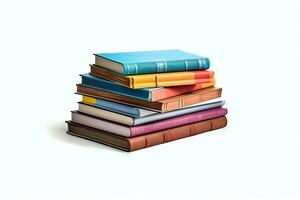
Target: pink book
{"points": [[131, 131]]}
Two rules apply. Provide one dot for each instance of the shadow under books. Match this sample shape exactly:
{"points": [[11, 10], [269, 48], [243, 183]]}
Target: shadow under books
{"points": [[57, 131]]}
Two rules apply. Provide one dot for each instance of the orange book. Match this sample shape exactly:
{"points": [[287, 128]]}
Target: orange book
{"points": [[155, 80], [174, 91]]}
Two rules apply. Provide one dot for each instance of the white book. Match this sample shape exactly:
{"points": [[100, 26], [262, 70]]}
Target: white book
{"points": [[131, 121]]}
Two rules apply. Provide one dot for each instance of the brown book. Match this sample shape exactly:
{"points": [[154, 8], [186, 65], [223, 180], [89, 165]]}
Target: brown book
{"points": [[109, 75], [163, 105], [144, 141]]}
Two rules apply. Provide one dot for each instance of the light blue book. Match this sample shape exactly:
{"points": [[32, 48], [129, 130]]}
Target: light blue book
{"points": [[148, 62], [115, 113], [123, 109]]}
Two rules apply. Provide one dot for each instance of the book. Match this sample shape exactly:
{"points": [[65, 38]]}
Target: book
{"points": [[163, 105], [132, 111], [131, 131], [144, 141], [134, 121], [156, 80], [120, 108], [149, 62], [147, 94]]}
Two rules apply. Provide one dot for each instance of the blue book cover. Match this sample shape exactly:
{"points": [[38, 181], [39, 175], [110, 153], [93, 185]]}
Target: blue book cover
{"points": [[102, 84], [123, 109], [148, 62]]}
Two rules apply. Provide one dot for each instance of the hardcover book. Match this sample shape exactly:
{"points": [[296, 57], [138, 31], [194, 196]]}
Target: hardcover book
{"points": [[156, 80], [144, 141], [132, 131], [120, 108], [163, 105], [147, 94], [149, 62], [134, 121]]}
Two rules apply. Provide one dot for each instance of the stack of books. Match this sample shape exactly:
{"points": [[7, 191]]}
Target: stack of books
{"points": [[135, 100]]}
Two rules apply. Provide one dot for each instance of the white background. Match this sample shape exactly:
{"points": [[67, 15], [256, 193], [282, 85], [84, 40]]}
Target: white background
{"points": [[254, 49]]}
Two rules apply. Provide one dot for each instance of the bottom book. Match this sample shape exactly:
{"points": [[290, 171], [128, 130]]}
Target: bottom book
{"points": [[144, 141]]}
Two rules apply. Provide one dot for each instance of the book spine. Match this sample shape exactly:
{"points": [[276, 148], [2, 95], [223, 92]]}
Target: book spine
{"points": [[170, 79], [142, 82], [164, 93], [177, 121], [190, 99], [166, 66], [161, 137]]}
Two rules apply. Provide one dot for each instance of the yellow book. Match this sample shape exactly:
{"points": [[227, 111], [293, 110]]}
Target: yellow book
{"points": [[156, 80]]}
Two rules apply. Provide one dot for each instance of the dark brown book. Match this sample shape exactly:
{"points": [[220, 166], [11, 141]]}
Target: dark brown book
{"points": [[144, 141], [109, 75], [163, 105]]}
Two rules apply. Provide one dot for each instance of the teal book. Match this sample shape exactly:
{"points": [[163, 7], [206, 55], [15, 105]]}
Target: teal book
{"points": [[149, 62], [102, 84]]}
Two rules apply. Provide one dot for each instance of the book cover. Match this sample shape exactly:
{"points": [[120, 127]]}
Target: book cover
{"points": [[163, 105], [110, 115], [128, 131], [117, 107], [99, 83], [144, 141], [146, 94], [149, 62], [156, 80]]}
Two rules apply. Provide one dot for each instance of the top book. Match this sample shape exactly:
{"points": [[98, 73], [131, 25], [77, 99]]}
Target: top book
{"points": [[148, 62]]}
